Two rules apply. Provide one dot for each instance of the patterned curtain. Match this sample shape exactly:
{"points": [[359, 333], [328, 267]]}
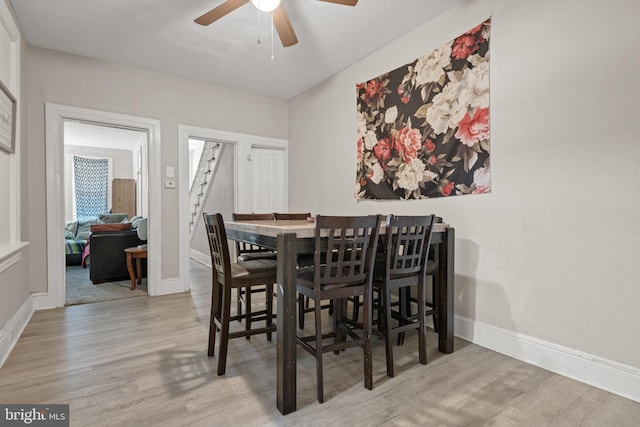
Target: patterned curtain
{"points": [[91, 177]]}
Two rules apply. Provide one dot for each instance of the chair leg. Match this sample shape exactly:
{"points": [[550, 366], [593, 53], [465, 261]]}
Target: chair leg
{"points": [[404, 295], [422, 327], [356, 308], [247, 310], [387, 332], [269, 296], [224, 329], [319, 378], [239, 296], [366, 335], [434, 298], [339, 315], [301, 307], [215, 311]]}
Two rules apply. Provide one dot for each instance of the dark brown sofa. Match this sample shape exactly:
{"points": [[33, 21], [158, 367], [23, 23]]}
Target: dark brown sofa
{"points": [[108, 261]]}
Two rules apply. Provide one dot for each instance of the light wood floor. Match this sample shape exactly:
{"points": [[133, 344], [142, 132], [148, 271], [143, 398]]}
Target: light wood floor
{"points": [[143, 361]]}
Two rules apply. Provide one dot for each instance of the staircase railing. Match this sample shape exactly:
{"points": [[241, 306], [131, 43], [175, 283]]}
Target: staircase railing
{"points": [[199, 189]]}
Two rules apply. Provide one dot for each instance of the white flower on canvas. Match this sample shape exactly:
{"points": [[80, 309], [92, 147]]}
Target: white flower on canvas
{"points": [[410, 174], [482, 181], [430, 68]]}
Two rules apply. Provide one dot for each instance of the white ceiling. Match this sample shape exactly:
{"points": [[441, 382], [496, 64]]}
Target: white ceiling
{"points": [[160, 35], [91, 135]]}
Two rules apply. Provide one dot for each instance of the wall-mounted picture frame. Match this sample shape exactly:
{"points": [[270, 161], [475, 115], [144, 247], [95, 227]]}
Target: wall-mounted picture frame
{"points": [[7, 120]]}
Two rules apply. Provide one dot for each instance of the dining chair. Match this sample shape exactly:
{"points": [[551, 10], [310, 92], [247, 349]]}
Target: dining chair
{"points": [[406, 298], [292, 216], [407, 240], [247, 251], [343, 267], [227, 276]]}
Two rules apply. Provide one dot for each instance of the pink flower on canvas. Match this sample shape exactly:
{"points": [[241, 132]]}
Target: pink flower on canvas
{"points": [[407, 142], [429, 145], [360, 150], [373, 92], [472, 130], [464, 46], [382, 150], [447, 189]]}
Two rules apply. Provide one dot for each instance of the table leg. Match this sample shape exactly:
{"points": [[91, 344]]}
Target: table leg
{"points": [[286, 323], [138, 270], [446, 276], [132, 275]]}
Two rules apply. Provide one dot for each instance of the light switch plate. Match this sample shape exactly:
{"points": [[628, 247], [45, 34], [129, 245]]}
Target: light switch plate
{"points": [[170, 172]]}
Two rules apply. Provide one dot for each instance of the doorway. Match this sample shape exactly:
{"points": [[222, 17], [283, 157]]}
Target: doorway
{"points": [[244, 149], [117, 187], [55, 117]]}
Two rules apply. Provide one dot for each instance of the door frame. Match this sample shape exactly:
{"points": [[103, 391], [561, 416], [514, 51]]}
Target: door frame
{"points": [[242, 144], [55, 116]]}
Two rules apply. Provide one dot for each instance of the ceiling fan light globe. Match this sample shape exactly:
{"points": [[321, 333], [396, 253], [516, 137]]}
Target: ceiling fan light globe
{"points": [[266, 5]]}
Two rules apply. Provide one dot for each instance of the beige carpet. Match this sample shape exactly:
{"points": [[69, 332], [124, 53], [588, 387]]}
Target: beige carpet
{"points": [[80, 290]]}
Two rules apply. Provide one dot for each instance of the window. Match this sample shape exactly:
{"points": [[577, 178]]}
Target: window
{"points": [[91, 182]]}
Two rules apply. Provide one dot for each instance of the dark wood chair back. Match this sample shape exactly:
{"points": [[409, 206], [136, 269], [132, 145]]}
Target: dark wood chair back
{"points": [[293, 216], [253, 216], [349, 245], [407, 245], [218, 244]]}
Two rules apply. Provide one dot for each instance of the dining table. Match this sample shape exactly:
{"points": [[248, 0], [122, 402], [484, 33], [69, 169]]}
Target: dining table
{"points": [[290, 237]]}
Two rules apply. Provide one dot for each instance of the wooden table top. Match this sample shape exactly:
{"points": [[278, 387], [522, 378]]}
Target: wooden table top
{"points": [[136, 250], [302, 228]]}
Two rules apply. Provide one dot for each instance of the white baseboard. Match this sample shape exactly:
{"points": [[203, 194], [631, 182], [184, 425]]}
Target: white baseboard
{"points": [[609, 375], [41, 301], [204, 259], [170, 286], [11, 331]]}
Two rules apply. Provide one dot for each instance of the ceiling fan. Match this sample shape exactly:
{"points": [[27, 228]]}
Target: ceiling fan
{"points": [[280, 18]]}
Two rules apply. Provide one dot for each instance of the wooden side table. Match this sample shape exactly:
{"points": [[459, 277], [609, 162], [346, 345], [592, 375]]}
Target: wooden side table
{"points": [[137, 254]]}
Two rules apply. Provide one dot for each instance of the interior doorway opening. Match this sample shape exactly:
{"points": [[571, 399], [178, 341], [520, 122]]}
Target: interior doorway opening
{"points": [[55, 117], [106, 174]]}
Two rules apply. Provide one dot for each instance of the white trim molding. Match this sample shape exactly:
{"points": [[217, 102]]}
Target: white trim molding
{"points": [[609, 375], [11, 331], [242, 144], [11, 254], [201, 258], [55, 115], [12, 56]]}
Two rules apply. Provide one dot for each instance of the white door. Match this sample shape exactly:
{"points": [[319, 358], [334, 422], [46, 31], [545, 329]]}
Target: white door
{"points": [[268, 179]]}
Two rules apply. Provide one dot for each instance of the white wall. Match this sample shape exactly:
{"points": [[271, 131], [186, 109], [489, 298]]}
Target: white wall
{"points": [[87, 83], [551, 252]]}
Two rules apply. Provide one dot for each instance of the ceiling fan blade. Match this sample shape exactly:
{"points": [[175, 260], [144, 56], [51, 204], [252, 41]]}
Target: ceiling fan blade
{"points": [[220, 11], [284, 27], [344, 2]]}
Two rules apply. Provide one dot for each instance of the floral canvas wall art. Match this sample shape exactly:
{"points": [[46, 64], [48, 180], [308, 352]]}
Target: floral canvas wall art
{"points": [[423, 128]]}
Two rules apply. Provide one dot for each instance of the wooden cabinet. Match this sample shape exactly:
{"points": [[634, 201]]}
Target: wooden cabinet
{"points": [[123, 196]]}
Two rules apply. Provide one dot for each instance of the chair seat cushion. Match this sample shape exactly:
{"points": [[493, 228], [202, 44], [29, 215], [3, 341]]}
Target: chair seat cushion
{"points": [[305, 279], [254, 269], [249, 256]]}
